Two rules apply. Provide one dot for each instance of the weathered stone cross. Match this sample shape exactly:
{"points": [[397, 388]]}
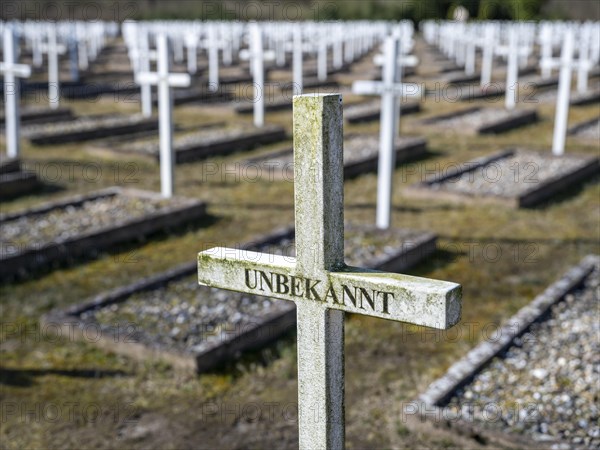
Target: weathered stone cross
{"points": [[11, 70], [391, 89], [318, 280], [164, 80]]}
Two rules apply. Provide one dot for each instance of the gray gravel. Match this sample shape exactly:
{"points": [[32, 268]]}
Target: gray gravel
{"points": [[34, 231], [208, 136], [187, 317], [356, 148], [474, 119], [546, 386], [511, 176], [81, 124], [590, 132]]}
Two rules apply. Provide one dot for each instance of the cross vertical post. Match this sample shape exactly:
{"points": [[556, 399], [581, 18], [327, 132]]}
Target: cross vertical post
{"points": [[165, 118], [562, 102], [488, 55], [11, 71], [258, 72], [319, 198], [387, 135], [512, 90], [297, 60]]}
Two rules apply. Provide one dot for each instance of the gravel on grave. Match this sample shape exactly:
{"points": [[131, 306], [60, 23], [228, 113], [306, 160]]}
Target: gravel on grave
{"points": [[186, 317], [512, 175], [551, 95], [590, 132], [58, 225], [357, 148], [546, 385], [474, 119], [204, 137], [82, 123]]}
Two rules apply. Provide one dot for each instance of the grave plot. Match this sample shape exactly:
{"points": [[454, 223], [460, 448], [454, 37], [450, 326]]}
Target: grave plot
{"points": [[15, 181], [202, 144], [575, 99], [361, 154], [370, 111], [588, 131], [515, 178], [281, 103], [39, 114], [197, 95], [481, 120], [86, 224], [458, 77], [548, 354], [196, 328], [87, 128]]}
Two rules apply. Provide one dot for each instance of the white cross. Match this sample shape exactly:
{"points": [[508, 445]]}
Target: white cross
{"points": [[487, 58], [52, 48], [322, 58], [297, 60], [191, 42], [141, 56], [512, 51], [11, 71], [164, 80], [213, 59], [257, 56], [318, 280], [391, 89], [562, 101]]}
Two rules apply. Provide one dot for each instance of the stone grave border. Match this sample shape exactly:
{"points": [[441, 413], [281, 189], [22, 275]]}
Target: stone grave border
{"points": [[430, 404], [412, 107], [42, 138], [98, 240], [414, 149], [535, 194], [252, 337], [199, 150], [573, 130], [16, 183], [45, 115], [517, 119]]}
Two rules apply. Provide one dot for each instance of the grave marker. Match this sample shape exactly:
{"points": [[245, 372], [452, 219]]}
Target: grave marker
{"points": [[11, 71], [257, 56], [164, 80], [390, 90], [562, 101], [52, 48], [318, 280]]}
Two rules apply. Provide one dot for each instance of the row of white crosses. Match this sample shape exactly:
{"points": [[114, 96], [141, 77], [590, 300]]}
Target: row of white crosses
{"points": [[318, 280], [81, 40]]}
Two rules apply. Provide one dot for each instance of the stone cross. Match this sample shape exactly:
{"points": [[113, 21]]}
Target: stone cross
{"points": [[391, 89], [164, 80], [318, 280], [52, 48], [11, 71], [562, 101], [257, 56], [322, 58]]}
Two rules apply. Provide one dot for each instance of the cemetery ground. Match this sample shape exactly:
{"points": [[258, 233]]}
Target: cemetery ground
{"points": [[503, 257]]}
